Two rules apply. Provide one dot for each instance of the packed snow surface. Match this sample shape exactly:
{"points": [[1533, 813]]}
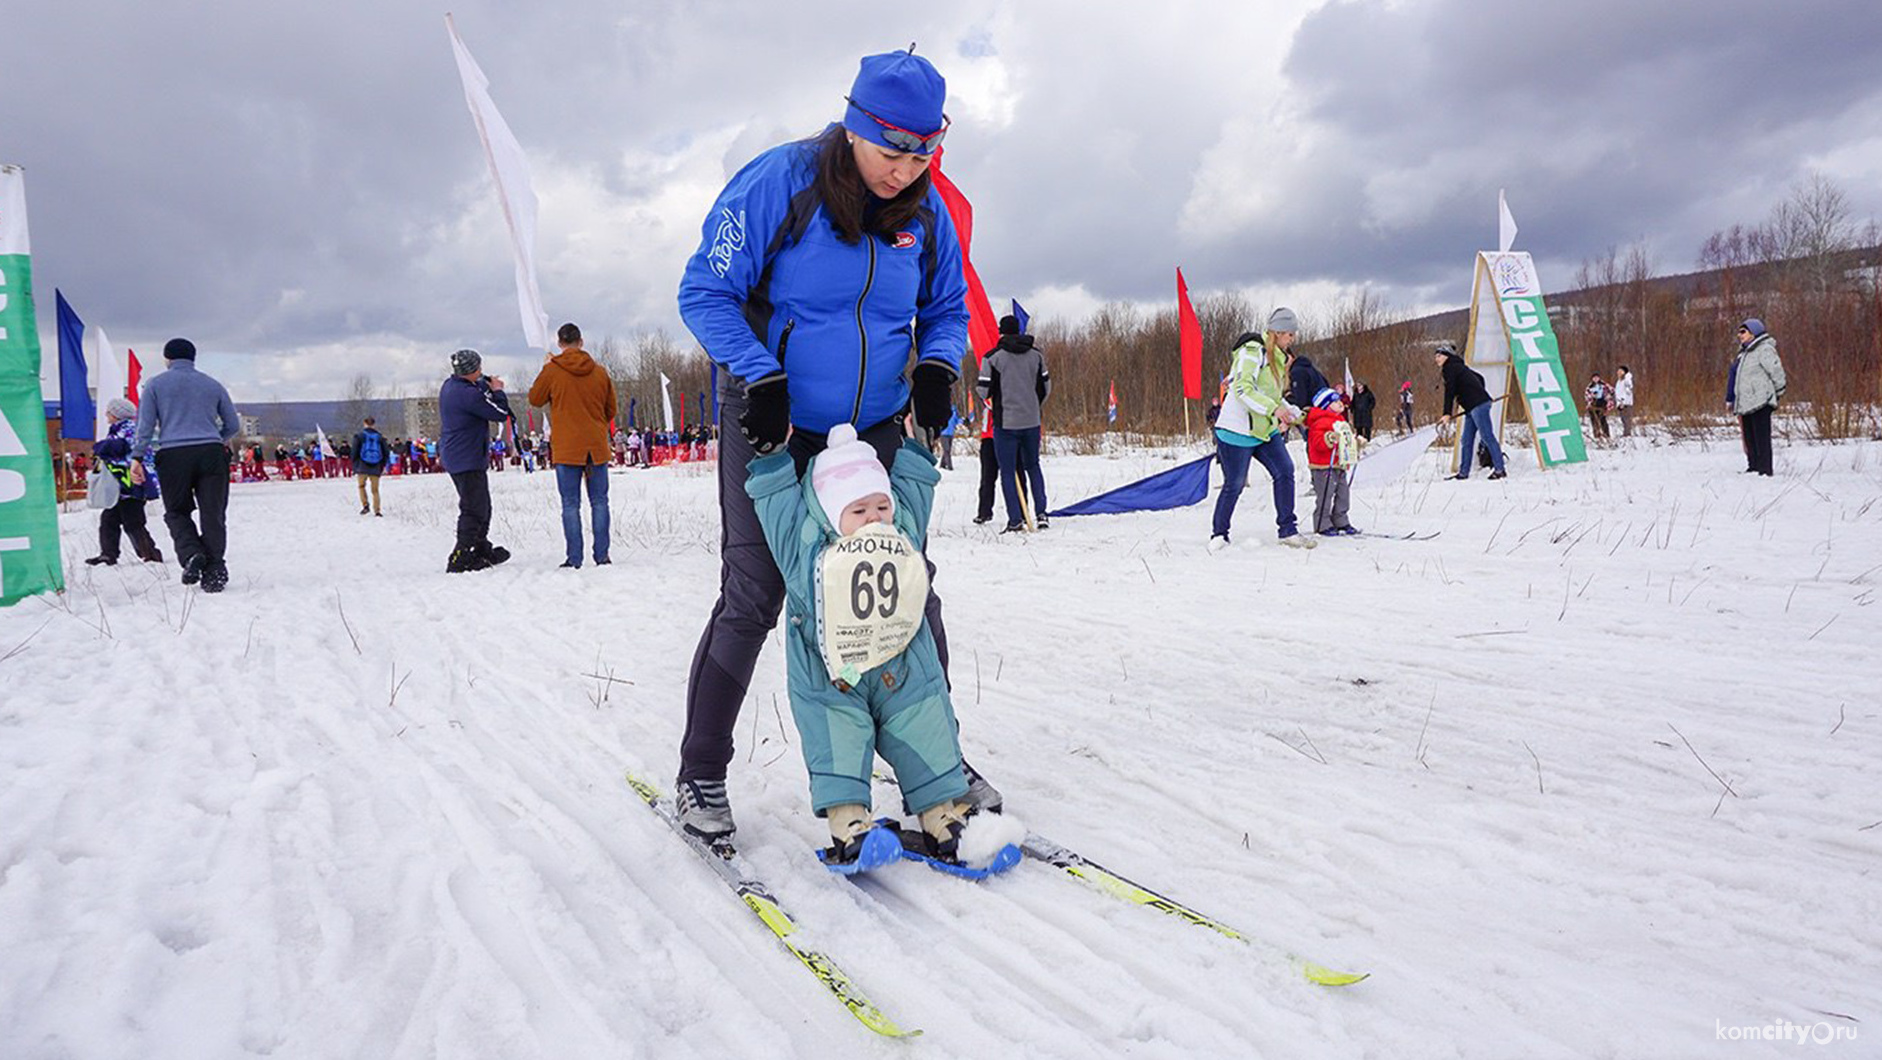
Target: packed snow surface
{"points": [[1597, 772]]}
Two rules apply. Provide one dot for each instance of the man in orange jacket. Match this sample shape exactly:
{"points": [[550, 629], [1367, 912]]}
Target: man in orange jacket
{"points": [[580, 397]]}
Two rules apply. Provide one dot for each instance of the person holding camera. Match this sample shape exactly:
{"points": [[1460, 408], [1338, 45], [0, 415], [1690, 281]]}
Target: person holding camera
{"points": [[468, 403], [825, 267]]}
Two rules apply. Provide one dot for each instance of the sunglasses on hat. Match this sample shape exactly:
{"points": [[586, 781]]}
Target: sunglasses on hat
{"points": [[903, 139]]}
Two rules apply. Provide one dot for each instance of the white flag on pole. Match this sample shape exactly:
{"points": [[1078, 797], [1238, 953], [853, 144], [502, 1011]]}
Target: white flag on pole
{"points": [[510, 170], [666, 400], [1349, 379], [107, 373], [1383, 465], [320, 439], [1505, 224]]}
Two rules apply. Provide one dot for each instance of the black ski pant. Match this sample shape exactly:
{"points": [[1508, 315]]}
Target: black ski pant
{"points": [[125, 519], [473, 507], [194, 481], [1756, 428], [989, 478], [751, 591]]}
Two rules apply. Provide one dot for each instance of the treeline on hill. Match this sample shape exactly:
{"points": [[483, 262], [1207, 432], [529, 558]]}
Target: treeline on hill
{"points": [[1810, 271]]}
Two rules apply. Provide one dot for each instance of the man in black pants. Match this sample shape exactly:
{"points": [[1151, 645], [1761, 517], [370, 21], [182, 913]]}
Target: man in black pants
{"points": [[191, 419], [468, 403], [989, 477]]}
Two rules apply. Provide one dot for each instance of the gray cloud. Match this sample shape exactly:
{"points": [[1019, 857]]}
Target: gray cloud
{"points": [[300, 189]]}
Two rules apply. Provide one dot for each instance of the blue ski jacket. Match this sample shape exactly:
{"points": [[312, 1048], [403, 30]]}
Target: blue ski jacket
{"points": [[772, 286]]}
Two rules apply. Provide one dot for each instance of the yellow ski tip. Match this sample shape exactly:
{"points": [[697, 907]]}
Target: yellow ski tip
{"points": [[1328, 977]]}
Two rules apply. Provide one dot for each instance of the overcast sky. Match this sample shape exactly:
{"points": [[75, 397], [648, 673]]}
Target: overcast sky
{"points": [[299, 188]]}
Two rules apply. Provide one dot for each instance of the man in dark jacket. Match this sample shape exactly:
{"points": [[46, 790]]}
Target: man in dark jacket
{"points": [[370, 450], [1464, 389], [1304, 380], [1014, 383], [1364, 402], [468, 403]]}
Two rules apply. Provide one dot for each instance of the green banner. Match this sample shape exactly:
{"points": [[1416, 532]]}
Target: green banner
{"points": [[1537, 358], [1517, 338], [29, 516]]}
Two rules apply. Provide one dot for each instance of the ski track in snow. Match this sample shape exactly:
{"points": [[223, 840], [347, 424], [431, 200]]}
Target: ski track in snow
{"points": [[231, 833]]}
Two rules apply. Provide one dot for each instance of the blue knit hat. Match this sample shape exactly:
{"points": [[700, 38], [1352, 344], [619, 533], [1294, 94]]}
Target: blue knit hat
{"points": [[896, 102], [1753, 325], [1326, 397]]}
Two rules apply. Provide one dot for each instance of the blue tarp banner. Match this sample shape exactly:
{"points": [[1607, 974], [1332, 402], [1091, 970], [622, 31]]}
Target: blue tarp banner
{"points": [[1178, 487], [77, 415]]}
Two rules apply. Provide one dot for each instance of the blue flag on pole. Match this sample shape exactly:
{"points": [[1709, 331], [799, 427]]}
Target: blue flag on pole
{"points": [[715, 392], [77, 415], [1178, 487], [1024, 318], [631, 402]]}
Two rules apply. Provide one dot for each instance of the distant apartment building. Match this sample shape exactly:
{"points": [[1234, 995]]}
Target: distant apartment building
{"points": [[421, 417]]}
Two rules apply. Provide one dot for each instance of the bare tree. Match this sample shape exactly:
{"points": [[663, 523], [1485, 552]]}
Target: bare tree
{"points": [[358, 404]]}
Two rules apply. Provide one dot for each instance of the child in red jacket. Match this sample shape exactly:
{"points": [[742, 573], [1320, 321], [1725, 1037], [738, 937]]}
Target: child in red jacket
{"points": [[1332, 449]]}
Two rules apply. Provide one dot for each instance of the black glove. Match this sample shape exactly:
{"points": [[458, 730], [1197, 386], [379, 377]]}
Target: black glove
{"points": [[767, 419], [934, 394]]}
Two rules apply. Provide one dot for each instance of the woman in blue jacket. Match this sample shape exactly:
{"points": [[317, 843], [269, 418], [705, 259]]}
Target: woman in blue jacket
{"points": [[826, 267]]}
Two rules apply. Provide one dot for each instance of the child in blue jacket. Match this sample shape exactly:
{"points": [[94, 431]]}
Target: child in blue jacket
{"points": [[863, 674]]}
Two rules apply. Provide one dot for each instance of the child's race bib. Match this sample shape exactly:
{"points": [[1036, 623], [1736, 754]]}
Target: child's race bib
{"points": [[872, 587], [1345, 445]]}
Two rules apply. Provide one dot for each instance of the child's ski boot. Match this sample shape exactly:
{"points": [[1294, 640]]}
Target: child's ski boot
{"points": [[856, 843]]}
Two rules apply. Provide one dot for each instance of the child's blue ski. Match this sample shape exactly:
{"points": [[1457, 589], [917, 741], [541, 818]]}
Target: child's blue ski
{"points": [[881, 846], [1008, 857]]}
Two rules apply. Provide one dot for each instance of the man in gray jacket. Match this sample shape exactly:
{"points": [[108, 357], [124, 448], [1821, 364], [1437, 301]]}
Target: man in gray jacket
{"points": [[192, 419], [1014, 383], [1756, 383]]}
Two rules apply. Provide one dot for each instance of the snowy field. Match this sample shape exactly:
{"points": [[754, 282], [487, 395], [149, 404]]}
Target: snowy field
{"points": [[354, 807]]}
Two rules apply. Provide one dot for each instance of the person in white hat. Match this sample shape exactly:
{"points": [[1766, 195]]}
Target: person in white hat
{"points": [[864, 675], [136, 474]]}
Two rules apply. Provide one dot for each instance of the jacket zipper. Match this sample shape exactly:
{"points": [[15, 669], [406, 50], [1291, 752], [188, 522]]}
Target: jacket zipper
{"points": [[862, 336], [784, 340]]}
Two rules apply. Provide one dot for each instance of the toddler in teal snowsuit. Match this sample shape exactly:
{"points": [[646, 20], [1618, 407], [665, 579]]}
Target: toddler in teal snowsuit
{"points": [[863, 672]]}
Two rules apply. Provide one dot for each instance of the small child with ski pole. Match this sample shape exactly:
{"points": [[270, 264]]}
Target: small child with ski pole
{"points": [[1332, 450], [863, 673]]}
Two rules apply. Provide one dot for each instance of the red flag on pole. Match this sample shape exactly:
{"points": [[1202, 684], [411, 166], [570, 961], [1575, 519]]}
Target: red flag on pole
{"points": [[131, 380], [1189, 331], [983, 331]]}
